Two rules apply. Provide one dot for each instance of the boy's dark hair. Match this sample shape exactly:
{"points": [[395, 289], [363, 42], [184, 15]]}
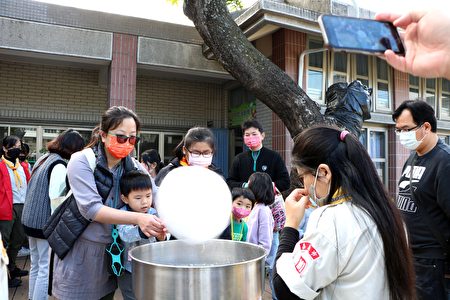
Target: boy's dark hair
{"points": [[66, 144], [243, 192], [134, 181], [261, 185], [252, 123], [421, 112]]}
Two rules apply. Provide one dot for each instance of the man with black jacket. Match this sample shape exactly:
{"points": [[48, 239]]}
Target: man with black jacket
{"points": [[424, 197], [257, 159]]}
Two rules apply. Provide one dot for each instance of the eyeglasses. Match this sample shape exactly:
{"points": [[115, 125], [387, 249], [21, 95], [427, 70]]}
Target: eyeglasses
{"points": [[196, 154], [398, 130], [122, 139]]}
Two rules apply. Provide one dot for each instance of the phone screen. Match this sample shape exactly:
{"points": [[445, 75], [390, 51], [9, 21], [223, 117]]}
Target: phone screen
{"points": [[360, 35]]}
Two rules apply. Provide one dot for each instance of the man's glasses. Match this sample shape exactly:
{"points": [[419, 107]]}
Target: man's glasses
{"points": [[398, 130], [122, 139], [196, 154]]}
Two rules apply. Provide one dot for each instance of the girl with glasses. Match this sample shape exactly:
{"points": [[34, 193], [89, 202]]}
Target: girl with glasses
{"points": [[196, 149], [83, 273]]}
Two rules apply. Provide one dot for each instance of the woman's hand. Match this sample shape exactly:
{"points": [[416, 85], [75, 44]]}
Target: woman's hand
{"points": [[296, 204], [151, 225]]}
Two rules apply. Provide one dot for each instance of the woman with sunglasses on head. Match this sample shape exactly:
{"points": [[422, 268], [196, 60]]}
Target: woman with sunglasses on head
{"points": [[355, 245], [196, 149], [83, 273], [14, 176]]}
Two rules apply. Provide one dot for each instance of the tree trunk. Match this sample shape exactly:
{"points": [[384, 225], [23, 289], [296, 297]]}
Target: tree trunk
{"points": [[253, 70]]}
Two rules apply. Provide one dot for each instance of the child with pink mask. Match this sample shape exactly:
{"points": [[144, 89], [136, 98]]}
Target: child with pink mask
{"points": [[243, 202]]}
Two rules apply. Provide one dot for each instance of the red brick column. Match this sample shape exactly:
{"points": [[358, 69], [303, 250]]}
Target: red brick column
{"points": [[397, 153], [122, 73], [287, 45]]}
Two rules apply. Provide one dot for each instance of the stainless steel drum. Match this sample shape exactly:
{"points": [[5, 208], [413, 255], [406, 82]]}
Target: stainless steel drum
{"points": [[213, 270]]}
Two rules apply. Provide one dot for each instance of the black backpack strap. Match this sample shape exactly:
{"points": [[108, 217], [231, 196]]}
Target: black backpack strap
{"points": [[52, 165]]}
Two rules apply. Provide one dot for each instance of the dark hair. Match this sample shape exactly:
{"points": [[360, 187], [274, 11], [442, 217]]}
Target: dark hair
{"points": [[152, 156], [421, 112], [243, 192], [134, 181], [111, 119], [25, 149], [353, 171], [261, 185], [95, 136], [252, 123], [66, 144], [195, 135], [8, 142]]}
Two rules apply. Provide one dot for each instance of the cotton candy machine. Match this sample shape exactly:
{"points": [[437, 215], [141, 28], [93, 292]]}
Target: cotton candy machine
{"points": [[213, 270]]}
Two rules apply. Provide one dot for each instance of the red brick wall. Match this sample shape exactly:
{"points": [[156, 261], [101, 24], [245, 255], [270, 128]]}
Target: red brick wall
{"points": [[397, 153], [122, 83], [286, 48]]}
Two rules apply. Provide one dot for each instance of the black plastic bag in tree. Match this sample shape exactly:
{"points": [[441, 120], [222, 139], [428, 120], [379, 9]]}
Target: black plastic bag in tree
{"points": [[348, 105]]}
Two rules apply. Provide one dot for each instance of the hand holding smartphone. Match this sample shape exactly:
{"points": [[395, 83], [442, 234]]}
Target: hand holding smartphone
{"points": [[360, 35]]}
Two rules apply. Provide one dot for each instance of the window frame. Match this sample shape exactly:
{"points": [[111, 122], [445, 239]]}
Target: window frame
{"points": [[321, 101]]}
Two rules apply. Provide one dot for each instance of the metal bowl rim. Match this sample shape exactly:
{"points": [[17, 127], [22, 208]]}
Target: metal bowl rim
{"points": [[199, 267]]}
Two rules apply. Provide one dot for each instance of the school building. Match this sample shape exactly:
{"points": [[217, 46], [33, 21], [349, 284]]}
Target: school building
{"points": [[62, 67]]}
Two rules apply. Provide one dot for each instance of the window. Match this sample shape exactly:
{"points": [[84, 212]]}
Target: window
{"points": [[148, 141], [326, 68], [315, 73], [374, 140], [339, 62], [170, 143], [414, 87], [362, 69], [430, 92], [383, 99], [445, 99]]}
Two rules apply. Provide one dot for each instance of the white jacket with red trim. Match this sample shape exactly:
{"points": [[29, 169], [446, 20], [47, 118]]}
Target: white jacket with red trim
{"points": [[341, 256]]}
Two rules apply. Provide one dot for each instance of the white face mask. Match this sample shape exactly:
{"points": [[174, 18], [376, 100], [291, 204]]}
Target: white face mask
{"points": [[408, 139], [316, 201], [200, 161]]}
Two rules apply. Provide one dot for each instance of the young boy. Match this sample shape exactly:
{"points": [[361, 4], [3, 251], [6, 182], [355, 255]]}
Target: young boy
{"points": [[136, 193], [243, 201]]}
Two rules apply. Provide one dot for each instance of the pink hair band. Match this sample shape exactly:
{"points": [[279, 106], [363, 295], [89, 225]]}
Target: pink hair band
{"points": [[343, 135]]}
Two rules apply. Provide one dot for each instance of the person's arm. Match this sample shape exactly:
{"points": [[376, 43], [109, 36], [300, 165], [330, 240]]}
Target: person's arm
{"points": [[233, 179], [288, 239], [295, 208], [443, 189], [90, 203], [57, 183], [426, 40]]}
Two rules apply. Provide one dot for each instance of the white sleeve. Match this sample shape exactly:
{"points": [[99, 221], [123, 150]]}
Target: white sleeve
{"points": [[57, 183], [312, 265]]}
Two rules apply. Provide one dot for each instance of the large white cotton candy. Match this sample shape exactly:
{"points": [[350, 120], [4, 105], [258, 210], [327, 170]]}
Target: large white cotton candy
{"points": [[194, 203]]}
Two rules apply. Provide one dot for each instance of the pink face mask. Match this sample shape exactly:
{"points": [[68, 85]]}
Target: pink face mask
{"points": [[252, 141], [240, 212]]}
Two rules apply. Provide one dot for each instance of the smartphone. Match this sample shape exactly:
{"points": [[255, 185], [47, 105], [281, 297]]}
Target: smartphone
{"points": [[360, 35]]}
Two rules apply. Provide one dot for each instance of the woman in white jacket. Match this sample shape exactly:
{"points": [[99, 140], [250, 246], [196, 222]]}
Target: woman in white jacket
{"points": [[355, 246]]}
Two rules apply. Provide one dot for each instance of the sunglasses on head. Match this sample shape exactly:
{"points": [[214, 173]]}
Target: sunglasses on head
{"points": [[122, 139]]}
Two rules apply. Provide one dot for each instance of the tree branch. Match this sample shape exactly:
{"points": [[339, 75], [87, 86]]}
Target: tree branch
{"points": [[252, 69]]}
